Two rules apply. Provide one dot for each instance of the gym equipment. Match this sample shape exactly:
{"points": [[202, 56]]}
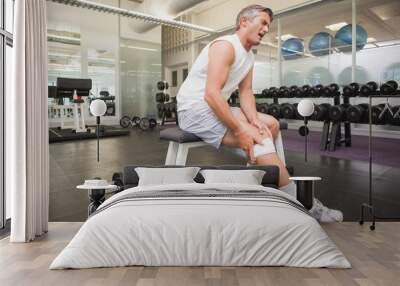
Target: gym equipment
{"points": [[265, 93], [315, 91], [389, 87], [143, 123], [377, 114], [152, 122], [305, 109], [61, 135], [320, 44], [303, 130], [330, 90], [296, 91], [369, 88], [162, 85], [351, 90], [288, 111], [305, 90], [162, 97], [395, 119], [273, 92], [292, 49], [321, 112], [98, 108], [262, 107], [75, 88], [234, 98], [343, 38], [284, 92], [357, 113], [274, 109], [337, 113]]}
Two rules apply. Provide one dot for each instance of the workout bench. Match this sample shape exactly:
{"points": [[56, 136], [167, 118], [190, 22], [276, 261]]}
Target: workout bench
{"points": [[180, 142]]}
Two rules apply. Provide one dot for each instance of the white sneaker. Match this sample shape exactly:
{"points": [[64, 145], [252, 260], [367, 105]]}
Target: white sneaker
{"points": [[325, 214]]}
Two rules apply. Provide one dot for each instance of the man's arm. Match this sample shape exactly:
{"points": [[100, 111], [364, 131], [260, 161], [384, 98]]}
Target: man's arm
{"points": [[247, 100], [221, 56], [248, 103]]}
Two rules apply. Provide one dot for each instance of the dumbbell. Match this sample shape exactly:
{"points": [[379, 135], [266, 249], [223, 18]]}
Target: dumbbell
{"points": [[369, 88], [274, 109], [357, 113], [273, 91], [136, 120], [351, 89], [395, 119], [288, 111], [305, 90], [389, 87], [321, 112], [297, 115], [330, 90], [376, 110], [316, 91], [265, 93], [284, 91], [161, 85], [262, 107], [160, 97], [152, 122], [338, 112], [295, 91]]}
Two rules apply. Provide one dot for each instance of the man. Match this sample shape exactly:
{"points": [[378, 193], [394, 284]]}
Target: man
{"points": [[222, 66]]}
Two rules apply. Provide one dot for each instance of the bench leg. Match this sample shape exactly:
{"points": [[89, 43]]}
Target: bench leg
{"points": [[172, 153], [182, 154]]}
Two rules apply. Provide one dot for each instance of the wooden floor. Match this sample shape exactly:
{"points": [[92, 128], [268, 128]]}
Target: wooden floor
{"points": [[374, 255]]}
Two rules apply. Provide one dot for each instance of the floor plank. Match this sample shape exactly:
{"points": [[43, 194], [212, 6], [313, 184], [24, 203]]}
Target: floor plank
{"points": [[375, 257]]}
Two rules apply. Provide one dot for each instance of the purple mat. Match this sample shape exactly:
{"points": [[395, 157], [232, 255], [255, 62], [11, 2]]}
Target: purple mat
{"points": [[385, 151]]}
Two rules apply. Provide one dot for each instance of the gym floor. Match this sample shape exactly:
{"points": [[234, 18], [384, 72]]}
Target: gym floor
{"points": [[344, 183]]}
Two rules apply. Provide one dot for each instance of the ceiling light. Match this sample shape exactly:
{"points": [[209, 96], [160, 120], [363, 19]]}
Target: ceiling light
{"points": [[335, 27], [371, 40], [140, 48]]}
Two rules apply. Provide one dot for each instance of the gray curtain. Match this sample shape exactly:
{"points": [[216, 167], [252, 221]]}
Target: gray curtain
{"points": [[27, 148]]}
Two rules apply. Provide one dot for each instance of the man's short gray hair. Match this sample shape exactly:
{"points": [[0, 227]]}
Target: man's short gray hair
{"points": [[252, 11]]}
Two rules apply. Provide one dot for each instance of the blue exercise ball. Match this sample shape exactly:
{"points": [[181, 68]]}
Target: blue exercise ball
{"points": [[320, 44], [292, 49], [343, 38]]}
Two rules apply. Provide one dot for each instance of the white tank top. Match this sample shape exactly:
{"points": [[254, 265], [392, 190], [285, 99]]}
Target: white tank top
{"points": [[192, 90]]}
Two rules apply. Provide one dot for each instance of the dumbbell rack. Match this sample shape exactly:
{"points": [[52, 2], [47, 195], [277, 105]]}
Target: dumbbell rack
{"points": [[331, 136], [370, 206], [335, 137]]}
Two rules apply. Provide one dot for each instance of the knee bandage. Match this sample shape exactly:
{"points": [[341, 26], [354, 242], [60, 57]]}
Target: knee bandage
{"points": [[266, 147]]}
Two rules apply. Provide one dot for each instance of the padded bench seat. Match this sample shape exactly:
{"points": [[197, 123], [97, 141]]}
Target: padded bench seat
{"points": [[181, 141]]}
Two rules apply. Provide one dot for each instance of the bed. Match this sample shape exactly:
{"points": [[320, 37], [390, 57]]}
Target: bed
{"points": [[201, 224]]}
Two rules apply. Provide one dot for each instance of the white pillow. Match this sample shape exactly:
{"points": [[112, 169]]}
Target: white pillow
{"points": [[248, 177], [166, 176]]}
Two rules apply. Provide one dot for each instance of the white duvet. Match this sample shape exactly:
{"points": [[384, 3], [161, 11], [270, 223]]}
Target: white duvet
{"points": [[200, 231]]}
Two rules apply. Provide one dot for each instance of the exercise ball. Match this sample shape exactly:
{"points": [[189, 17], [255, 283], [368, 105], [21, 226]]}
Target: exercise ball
{"points": [[319, 75], [361, 75], [320, 44], [343, 38], [292, 49]]}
